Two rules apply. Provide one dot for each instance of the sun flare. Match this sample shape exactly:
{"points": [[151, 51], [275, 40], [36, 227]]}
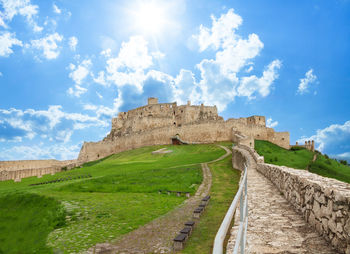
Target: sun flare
{"points": [[149, 17]]}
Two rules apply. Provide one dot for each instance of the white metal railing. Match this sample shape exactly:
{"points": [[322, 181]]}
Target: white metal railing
{"points": [[243, 222]]}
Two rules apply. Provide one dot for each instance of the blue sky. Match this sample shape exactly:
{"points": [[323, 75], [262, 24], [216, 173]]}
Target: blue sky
{"points": [[68, 67]]}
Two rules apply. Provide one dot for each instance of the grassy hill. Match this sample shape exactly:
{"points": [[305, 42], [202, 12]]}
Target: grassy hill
{"points": [[301, 158], [120, 196]]}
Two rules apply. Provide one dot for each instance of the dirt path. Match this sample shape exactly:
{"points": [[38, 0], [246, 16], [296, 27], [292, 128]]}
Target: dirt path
{"points": [[157, 236], [273, 224]]}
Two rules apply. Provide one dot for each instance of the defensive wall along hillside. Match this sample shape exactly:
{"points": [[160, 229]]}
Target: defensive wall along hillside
{"points": [[324, 203], [17, 170]]}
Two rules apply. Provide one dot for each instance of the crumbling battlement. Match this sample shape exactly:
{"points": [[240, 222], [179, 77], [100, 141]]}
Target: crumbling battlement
{"points": [[309, 145], [156, 124]]}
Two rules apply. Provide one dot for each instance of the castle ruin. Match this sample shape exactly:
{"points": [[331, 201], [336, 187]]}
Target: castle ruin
{"points": [[156, 124]]}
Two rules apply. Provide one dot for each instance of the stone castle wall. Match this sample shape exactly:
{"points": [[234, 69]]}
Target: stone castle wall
{"points": [[205, 132], [323, 202], [16, 170], [156, 124]]}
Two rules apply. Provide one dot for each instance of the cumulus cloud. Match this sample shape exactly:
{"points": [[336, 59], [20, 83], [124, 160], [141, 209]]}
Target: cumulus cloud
{"points": [[310, 78], [103, 112], [48, 45], [24, 8], [252, 84], [57, 151], [221, 33], [219, 81], [53, 123], [222, 73], [73, 42], [270, 123], [333, 139], [2, 22], [129, 66], [7, 40], [78, 74], [56, 9], [100, 79]]}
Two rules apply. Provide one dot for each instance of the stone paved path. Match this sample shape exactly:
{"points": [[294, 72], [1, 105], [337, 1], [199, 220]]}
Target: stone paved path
{"points": [[273, 225], [157, 236]]}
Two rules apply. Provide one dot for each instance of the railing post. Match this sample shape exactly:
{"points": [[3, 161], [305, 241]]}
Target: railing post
{"points": [[242, 230]]}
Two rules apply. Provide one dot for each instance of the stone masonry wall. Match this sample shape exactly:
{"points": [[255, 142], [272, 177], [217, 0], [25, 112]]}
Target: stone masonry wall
{"points": [[16, 170], [323, 202]]}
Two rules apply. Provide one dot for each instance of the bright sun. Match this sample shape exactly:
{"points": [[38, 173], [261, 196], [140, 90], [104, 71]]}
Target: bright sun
{"points": [[149, 17]]}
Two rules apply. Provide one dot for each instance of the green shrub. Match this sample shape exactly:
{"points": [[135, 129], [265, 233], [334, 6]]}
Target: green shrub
{"points": [[296, 148], [344, 162]]}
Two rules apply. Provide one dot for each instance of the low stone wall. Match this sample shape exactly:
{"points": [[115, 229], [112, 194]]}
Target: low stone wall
{"points": [[257, 158], [16, 170], [240, 157], [324, 202]]}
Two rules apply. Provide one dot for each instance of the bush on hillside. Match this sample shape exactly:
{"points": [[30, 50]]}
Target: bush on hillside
{"points": [[296, 148], [344, 162]]}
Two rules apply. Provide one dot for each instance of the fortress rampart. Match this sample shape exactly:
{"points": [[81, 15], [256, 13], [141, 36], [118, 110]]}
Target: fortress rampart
{"points": [[156, 123]]}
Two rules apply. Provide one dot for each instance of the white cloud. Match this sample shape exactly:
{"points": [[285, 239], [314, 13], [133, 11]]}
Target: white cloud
{"points": [[7, 40], [128, 67], [305, 82], [270, 123], [106, 112], [133, 55], [56, 9], [76, 90], [99, 95], [106, 52], [53, 123], [221, 33], [252, 84], [80, 72], [249, 69], [219, 83], [48, 45], [57, 151], [332, 137], [236, 55], [100, 79], [73, 42], [220, 80], [2, 22], [24, 8], [64, 135]]}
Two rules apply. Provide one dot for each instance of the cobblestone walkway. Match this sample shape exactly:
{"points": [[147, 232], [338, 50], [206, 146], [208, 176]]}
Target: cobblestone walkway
{"points": [[273, 225], [157, 236]]}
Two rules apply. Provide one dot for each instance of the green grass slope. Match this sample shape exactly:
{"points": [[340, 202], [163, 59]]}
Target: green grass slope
{"points": [[279, 156], [225, 182], [25, 222], [121, 195], [302, 159]]}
